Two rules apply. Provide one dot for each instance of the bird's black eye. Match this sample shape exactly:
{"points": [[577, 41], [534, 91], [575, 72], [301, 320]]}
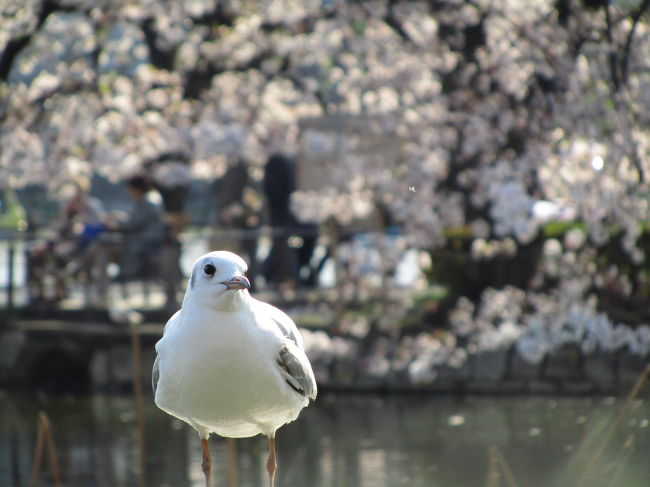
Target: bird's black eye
{"points": [[209, 269]]}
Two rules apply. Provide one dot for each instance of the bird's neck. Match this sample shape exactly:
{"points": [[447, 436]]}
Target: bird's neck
{"points": [[227, 302], [233, 301]]}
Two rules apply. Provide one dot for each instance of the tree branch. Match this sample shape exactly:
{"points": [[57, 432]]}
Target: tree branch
{"points": [[625, 64], [14, 46], [393, 23], [613, 57]]}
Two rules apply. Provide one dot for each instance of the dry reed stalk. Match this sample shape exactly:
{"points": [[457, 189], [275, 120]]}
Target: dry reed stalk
{"points": [[586, 474], [621, 461], [498, 467], [45, 440], [506, 470], [493, 474], [139, 402]]}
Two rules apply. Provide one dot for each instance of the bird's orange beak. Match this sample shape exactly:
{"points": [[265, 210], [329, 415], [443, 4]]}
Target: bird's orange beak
{"points": [[238, 282]]}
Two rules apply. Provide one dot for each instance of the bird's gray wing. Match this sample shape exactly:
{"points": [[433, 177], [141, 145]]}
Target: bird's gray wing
{"points": [[292, 362], [285, 324], [296, 370]]}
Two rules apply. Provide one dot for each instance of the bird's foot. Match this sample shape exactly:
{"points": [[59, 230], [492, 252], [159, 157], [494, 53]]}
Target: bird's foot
{"points": [[206, 465], [271, 464]]}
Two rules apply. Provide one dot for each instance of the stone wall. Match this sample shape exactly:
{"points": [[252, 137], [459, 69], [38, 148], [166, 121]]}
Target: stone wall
{"points": [[565, 371], [103, 361]]}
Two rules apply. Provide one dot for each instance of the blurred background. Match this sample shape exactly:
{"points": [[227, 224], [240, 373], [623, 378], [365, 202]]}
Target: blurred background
{"points": [[450, 198]]}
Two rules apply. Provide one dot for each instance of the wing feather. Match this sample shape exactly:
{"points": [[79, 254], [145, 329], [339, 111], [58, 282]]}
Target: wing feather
{"points": [[296, 370], [292, 362]]}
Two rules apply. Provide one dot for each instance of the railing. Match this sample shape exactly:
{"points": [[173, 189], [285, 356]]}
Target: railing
{"points": [[10, 238], [329, 241]]}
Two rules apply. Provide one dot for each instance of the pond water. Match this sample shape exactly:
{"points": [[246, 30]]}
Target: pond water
{"points": [[344, 441]]}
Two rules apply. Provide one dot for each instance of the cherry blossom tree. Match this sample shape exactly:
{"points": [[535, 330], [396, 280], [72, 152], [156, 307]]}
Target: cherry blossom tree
{"points": [[511, 136]]}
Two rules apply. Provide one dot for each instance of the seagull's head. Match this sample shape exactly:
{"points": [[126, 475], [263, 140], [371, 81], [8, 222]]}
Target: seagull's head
{"points": [[218, 281]]}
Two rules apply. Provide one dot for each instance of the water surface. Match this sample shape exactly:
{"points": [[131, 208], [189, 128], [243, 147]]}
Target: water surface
{"points": [[344, 441]]}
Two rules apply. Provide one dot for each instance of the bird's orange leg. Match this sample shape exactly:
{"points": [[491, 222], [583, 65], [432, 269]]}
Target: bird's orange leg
{"points": [[271, 464], [207, 461]]}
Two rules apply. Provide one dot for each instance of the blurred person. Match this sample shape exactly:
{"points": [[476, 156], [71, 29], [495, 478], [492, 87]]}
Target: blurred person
{"points": [[68, 249], [286, 264], [238, 207], [133, 240], [171, 177], [83, 223], [142, 229]]}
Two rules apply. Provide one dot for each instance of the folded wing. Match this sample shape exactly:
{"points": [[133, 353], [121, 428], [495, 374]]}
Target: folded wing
{"points": [[296, 370]]}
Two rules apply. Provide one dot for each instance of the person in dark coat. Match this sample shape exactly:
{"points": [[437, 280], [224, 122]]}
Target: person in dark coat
{"points": [[237, 210], [284, 263]]}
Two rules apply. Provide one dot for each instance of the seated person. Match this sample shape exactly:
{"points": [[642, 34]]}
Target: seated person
{"points": [[66, 251], [142, 228], [83, 223]]}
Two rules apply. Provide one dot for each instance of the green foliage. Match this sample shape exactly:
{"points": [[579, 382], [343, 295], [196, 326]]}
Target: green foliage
{"points": [[358, 26], [556, 229], [12, 213], [424, 308]]}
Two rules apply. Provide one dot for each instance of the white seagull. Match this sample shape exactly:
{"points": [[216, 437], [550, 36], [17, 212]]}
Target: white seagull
{"points": [[228, 363]]}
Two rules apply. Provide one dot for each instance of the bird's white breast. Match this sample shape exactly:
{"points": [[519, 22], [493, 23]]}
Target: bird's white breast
{"points": [[218, 373]]}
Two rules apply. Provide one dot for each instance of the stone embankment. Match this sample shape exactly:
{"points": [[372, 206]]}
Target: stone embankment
{"points": [[98, 356]]}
